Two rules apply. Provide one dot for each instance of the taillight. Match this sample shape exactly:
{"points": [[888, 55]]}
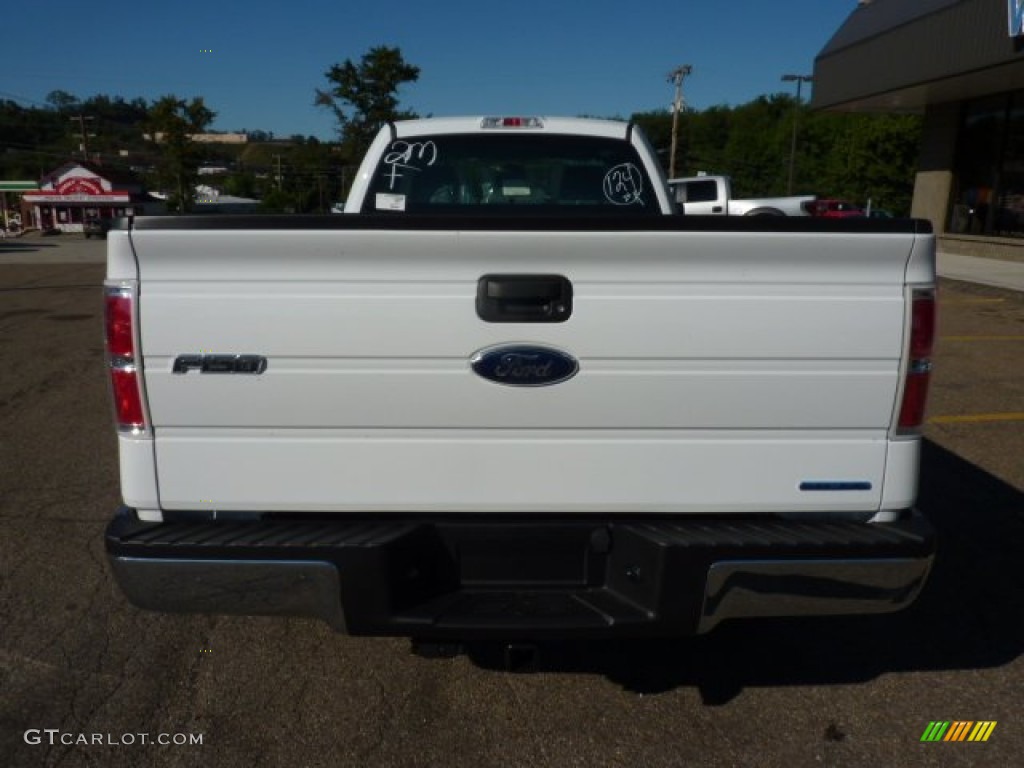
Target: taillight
{"points": [[118, 315], [919, 367], [127, 402], [122, 358]]}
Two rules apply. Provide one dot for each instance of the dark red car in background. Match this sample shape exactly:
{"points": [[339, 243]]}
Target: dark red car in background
{"points": [[834, 209]]}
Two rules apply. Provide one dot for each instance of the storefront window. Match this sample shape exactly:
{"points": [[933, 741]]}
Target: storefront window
{"points": [[989, 190], [1009, 218], [978, 159]]}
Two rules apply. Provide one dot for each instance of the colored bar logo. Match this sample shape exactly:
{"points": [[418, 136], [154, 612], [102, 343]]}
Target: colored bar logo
{"points": [[958, 730]]}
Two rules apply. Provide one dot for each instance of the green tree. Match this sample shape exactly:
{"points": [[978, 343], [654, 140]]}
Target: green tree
{"points": [[170, 125], [706, 138], [61, 101], [364, 96], [849, 156], [757, 149], [33, 140], [242, 184], [114, 125], [861, 157]]}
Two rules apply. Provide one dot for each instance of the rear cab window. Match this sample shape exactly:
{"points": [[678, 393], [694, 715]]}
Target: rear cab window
{"points": [[700, 191], [496, 174]]}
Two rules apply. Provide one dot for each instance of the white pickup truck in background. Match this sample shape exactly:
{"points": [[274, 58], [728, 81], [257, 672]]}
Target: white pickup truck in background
{"points": [[513, 394], [712, 195]]}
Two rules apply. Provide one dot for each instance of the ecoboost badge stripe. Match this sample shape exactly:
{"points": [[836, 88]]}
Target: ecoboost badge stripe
{"points": [[958, 730], [935, 731], [982, 731]]}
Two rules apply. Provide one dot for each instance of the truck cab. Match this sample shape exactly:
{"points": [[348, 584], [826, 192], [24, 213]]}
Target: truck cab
{"points": [[704, 195]]}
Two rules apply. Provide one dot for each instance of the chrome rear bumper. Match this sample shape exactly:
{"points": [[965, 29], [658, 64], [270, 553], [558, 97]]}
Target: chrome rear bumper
{"points": [[747, 589], [508, 578]]}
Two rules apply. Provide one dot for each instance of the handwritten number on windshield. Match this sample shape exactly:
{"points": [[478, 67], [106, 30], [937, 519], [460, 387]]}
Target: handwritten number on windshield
{"points": [[624, 184], [410, 156]]}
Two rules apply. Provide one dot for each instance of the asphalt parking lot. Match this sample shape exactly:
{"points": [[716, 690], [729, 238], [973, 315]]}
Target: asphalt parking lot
{"points": [[77, 659]]}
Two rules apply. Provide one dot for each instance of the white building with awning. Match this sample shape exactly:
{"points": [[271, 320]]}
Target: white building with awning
{"points": [[69, 195]]}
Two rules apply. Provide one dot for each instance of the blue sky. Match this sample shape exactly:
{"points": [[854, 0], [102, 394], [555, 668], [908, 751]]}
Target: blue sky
{"points": [[554, 57]]}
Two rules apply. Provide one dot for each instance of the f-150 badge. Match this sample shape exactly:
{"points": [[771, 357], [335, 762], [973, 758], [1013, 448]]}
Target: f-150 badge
{"points": [[522, 365], [255, 364]]}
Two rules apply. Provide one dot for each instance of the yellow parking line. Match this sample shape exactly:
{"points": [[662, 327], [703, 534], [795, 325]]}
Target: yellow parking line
{"points": [[981, 338], [970, 418]]}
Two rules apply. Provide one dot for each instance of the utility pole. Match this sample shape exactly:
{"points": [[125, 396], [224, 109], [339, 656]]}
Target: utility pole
{"points": [[80, 119], [676, 76], [277, 159], [799, 80]]}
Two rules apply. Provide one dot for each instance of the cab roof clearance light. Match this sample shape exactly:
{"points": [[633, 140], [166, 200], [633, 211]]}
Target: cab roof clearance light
{"points": [[512, 122]]}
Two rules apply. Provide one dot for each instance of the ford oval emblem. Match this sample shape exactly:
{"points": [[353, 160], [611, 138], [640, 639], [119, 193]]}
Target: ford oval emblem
{"points": [[524, 365]]}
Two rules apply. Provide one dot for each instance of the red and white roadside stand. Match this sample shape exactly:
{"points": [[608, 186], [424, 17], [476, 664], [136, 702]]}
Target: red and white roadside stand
{"points": [[75, 192]]}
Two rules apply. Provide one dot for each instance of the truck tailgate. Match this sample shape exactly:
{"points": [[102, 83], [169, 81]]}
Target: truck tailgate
{"points": [[756, 370]]}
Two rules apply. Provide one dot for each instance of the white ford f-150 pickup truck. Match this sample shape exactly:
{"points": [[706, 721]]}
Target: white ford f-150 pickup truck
{"points": [[712, 195], [513, 394]]}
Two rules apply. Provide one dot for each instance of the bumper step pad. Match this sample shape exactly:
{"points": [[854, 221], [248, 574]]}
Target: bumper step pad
{"points": [[529, 578]]}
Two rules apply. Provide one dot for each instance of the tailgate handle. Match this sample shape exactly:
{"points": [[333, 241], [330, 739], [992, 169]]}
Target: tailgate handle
{"points": [[524, 298]]}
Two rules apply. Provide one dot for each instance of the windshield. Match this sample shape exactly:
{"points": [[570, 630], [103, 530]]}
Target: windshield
{"points": [[495, 173]]}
